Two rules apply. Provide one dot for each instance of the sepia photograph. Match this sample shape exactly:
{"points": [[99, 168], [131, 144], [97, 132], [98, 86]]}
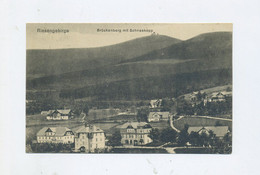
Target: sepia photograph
{"points": [[129, 88]]}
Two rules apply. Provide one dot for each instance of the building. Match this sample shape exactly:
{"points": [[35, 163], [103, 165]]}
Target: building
{"points": [[59, 114], [217, 96], [219, 131], [158, 116], [220, 96], [55, 135], [88, 138], [155, 103], [135, 133]]}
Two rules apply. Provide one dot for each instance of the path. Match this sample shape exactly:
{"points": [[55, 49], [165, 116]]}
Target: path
{"points": [[216, 118], [171, 123]]}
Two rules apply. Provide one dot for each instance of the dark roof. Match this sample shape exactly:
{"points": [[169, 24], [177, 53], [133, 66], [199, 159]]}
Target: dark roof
{"points": [[62, 111], [59, 131]]}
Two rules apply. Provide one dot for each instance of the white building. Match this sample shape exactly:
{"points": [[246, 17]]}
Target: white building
{"points": [[88, 138], [158, 116], [60, 114], [55, 135], [135, 133], [219, 131]]}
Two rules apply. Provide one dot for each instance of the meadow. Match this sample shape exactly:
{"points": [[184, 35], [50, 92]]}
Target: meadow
{"points": [[197, 121]]}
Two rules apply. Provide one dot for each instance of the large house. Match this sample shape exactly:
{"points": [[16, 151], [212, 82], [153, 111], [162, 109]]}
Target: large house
{"points": [[55, 135], [88, 138], [158, 116], [217, 96], [219, 131], [59, 114], [135, 133], [220, 96]]}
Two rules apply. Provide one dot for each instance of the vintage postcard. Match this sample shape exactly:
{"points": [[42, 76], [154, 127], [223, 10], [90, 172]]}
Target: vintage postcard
{"points": [[129, 88]]}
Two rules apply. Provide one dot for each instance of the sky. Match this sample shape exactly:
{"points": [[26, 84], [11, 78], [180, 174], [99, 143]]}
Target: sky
{"points": [[86, 35]]}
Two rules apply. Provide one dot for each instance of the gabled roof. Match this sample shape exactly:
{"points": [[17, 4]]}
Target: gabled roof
{"points": [[164, 115], [135, 125], [216, 94], [88, 129], [130, 127], [219, 131], [59, 131], [62, 111]]}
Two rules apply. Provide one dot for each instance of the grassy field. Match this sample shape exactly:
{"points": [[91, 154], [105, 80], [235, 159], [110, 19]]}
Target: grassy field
{"points": [[99, 114], [123, 117], [196, 121], [160, 125]]}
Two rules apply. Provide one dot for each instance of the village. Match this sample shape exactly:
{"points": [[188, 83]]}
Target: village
{"points": [[199, 122]]}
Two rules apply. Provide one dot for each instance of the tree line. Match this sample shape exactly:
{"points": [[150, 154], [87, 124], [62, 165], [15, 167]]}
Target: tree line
{"points": [[209, 108]]}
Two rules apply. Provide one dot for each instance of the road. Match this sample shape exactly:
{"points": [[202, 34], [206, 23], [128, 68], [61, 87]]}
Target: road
{"points": [[171, 123], [215, 118]]}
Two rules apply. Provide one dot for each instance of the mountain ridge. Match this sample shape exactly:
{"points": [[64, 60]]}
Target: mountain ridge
{"points": [[57, 61], [202, 56]]}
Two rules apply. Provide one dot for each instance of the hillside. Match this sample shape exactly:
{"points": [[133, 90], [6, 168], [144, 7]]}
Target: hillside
{"points": [[165, 70], [207, 47], [52, 62]]}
